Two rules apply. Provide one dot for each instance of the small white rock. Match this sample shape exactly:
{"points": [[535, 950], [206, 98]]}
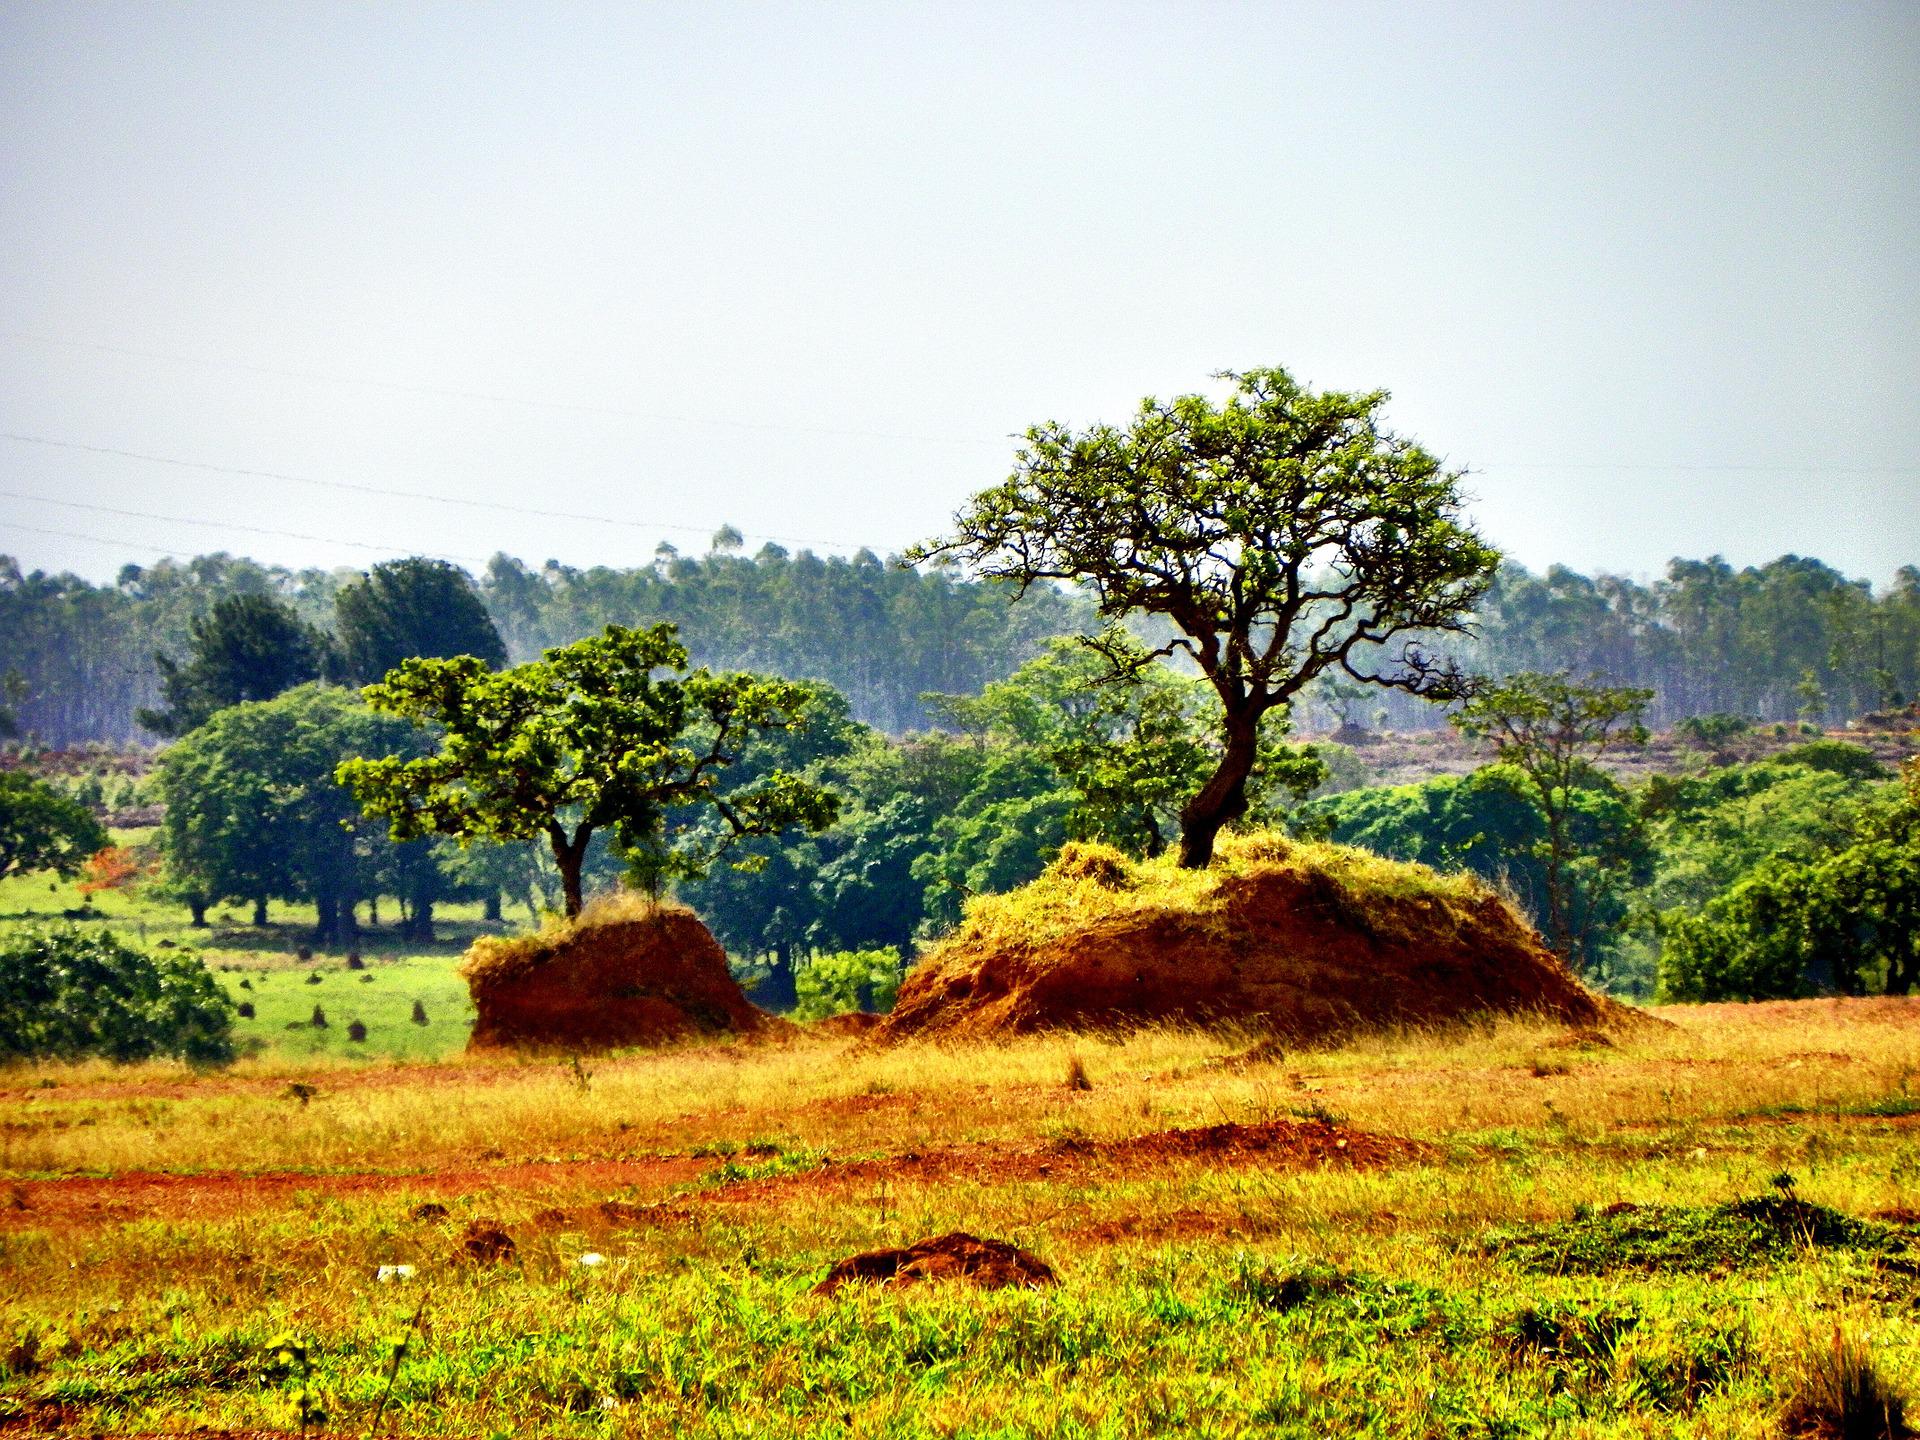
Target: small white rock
{"points": [[591, 1258], [387, 1274]]}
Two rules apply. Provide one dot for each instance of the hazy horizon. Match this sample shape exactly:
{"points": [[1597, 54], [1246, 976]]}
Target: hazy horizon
{"points": [[1652, 277]]}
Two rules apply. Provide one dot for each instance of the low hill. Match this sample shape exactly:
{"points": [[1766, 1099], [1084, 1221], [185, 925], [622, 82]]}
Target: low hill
{"points": [[1305, 940]]}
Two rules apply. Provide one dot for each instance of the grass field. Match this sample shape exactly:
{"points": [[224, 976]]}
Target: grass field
{"points": [[1653, 1236]]}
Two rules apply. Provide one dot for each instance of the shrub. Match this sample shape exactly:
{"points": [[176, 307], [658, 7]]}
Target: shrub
{"points": [[67, 993], [842, 980]]}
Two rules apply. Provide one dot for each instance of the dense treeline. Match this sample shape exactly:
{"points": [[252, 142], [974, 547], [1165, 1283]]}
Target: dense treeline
{"points": [[85, 653], [1790, 639]]}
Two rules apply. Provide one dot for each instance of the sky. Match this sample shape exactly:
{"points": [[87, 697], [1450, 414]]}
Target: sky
{"points": [[590, 277]]}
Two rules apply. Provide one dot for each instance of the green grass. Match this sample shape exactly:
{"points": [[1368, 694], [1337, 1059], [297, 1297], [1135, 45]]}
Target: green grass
{"points": [[269, 960]]}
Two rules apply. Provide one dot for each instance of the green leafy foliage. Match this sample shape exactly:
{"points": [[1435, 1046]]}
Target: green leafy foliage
{"points": [[248, 647], [1551, 730], [1491, 823], [411, 608], [612, 733], [1284, 534], [42, 829], [835, 982], [1794, 927], [69, 994], [253, 811]]}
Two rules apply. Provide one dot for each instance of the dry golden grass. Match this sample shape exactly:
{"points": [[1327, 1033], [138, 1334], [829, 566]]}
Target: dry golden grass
{"points": [[165, 1312]]}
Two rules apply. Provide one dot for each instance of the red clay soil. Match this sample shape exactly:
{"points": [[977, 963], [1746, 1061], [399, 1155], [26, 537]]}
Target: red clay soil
{"points": [[1287, 950], [608, 985], [1288, 1144], [988, 1264]]}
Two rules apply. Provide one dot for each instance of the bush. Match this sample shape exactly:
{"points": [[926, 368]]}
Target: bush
{"points": [[843, 980], [67, 994]]}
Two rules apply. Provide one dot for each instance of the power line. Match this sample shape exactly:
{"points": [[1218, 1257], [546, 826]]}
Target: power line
{"points": [[226, 525], [388, 492], [121, 545], [453, 393]]}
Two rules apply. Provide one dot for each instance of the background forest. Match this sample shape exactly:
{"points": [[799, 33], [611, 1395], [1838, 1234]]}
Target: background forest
{"points": [[1793, 639]]}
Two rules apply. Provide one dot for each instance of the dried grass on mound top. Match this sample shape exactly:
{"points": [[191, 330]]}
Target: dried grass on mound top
{"points": [[1313, 942], [628, 971]]}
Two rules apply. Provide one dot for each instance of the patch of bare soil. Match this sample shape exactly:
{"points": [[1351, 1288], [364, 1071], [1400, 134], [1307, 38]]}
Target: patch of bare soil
{"points": [[986, 1264], [1281, 1143], [1278, 946], [625, 980]]}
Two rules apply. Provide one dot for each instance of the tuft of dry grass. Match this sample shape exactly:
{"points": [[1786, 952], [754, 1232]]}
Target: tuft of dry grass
{"points": [[497, 956], [1089, 882], [1841, 1394]]}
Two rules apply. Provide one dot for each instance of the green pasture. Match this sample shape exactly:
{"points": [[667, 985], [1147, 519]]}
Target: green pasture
{"points": [[277, 969]]}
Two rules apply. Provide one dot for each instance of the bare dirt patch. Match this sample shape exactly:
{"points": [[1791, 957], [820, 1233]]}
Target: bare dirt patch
{"points": [[986, 1264], [1279, 1143]]}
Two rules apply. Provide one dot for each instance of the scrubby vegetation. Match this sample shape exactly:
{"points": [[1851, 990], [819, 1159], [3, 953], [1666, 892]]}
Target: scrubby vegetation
{"points": [[71, 994]]}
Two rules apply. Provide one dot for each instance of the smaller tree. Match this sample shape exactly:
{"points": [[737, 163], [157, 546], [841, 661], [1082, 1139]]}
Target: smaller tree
{"points": [[413, 608], [249, 647], [1553, 732], [41, 829], [591, 737]]}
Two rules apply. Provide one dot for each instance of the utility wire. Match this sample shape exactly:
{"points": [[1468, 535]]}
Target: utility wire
{"points": [[385, 491], [576, 407], [227, 525], [449, 392], [121, 545]]}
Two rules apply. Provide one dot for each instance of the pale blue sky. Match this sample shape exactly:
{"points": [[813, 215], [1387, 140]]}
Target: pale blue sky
{"points": [[805, 268]]}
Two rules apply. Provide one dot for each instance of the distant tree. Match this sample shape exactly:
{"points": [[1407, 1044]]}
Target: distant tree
{"points": [[413, 608], [1130, 749], [13, 689], [253, 811], [1552, 731], [41, 829], [248, 647], [1490, 822], [591, 737], [1794, 928], [1285, 534], [69, 994]]}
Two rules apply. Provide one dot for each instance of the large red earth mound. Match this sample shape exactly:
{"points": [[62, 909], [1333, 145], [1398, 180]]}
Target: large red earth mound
{"points": [[1303, 940], [623, 974]]}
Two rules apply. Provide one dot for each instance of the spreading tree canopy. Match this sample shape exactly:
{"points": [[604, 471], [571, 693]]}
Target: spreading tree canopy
{"points": [[610, 733], [1284, 533]]}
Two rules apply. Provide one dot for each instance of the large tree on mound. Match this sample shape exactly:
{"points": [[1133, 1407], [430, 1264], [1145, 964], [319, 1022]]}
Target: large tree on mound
{"points": [[1284, 534], [613, 732]]}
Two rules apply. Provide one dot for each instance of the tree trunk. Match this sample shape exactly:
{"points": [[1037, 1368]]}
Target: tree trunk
{"points": [[570, 855], [198, 908], [327, 912], [420, 922], [493, 906], [778, 992], [1224, 797], [259, 912]]}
